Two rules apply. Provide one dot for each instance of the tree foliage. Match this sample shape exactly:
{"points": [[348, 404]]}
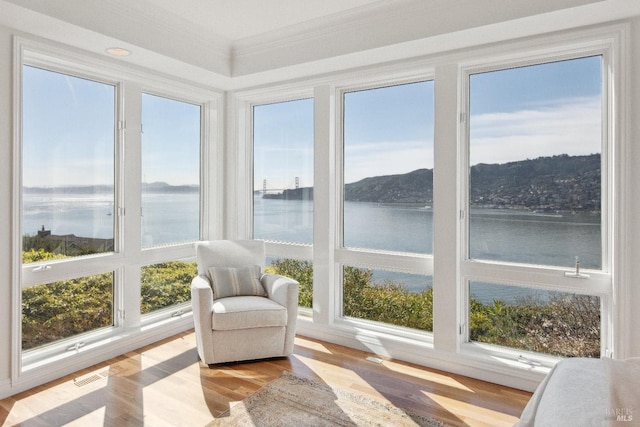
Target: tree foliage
{"points": [[301, 271], [166, 284], [53, 311], [567, 325], [58, 310], [387, 302]]}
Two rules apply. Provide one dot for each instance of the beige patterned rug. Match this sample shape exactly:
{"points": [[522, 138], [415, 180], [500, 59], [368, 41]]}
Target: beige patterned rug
{"points": [[294, 401]]}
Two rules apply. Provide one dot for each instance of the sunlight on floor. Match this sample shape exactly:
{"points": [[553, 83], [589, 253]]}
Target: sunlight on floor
{"points": [[95, 418], [428, 375], [470, 410], [338, 377], [311, 345]]}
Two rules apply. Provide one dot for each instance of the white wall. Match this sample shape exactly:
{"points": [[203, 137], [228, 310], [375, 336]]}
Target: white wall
{"points": [[632, 328], [5, 205]]}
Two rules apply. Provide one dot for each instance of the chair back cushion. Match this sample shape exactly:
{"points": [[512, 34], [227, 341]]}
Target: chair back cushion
{"points": [[233, 282], [229, 253]]}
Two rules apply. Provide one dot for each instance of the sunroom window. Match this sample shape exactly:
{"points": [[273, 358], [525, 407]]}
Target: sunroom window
{"points": [[68, 206], [537, 206], [283, 188], [170, 171], [387, 204], [170, 198], [111, 196]]}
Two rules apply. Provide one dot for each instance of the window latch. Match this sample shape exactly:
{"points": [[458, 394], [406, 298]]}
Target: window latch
{"points": [[76, 347], [576, 274], [528, 361], [41, 268]]}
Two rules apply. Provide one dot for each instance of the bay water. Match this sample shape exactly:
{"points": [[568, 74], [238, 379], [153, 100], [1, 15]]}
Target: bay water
{"points": [[500, 235]]}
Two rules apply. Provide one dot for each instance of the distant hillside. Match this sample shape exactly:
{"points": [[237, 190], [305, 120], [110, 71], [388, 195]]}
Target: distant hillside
{"points": [[412, 187], [163, 187], [153, 187], [558, 183]]}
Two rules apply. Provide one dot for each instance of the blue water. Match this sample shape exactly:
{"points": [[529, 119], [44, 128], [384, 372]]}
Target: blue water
{"points": [[553, 239], [501, 235]]}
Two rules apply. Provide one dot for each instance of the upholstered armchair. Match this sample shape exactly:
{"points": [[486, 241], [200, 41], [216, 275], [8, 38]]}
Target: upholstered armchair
{"points": [[239, 312]]}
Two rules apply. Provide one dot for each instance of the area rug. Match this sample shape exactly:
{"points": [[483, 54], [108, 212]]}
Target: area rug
{"points": [[294, 401]]}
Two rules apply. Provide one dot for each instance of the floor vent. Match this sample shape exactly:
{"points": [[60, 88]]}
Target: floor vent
{"points": [[90, 378]]}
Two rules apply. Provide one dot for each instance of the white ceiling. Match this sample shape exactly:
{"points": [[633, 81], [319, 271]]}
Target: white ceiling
{"points": [[238, 19], [240, 43]]}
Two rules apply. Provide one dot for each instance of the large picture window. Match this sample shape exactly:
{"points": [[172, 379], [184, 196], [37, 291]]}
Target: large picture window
{"points": [[535, 156], [388, 168], [535, 200], [283, 188], [388, 201], [283, 172], [68, 164], [110, 199], [68, 204], [170, 171]]}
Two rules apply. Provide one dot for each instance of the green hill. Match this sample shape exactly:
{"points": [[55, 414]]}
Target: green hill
{"points": [[558, 183], [546, 183]]}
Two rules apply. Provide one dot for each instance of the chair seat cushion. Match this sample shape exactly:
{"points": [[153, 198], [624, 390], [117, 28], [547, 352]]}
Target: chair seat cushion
{"points": [[247, 312]]}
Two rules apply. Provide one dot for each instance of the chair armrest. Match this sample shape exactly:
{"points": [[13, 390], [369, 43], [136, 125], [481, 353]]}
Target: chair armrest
{"points": [[202, 306], [284, 291], [201, 291], [281, 289]]}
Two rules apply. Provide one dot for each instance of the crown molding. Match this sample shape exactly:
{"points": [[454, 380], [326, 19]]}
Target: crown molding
{"points": [[381, 24], [139, 24]]}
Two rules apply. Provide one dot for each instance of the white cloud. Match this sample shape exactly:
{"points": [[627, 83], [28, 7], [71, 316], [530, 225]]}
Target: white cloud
{"points": [[386, 158], [569, 127]]}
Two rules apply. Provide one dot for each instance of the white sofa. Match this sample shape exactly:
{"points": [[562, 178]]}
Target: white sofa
{"points": [[239, 321], [587, 392]]}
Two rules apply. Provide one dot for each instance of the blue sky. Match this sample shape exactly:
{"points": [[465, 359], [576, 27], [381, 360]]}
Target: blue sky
{"points": [[535, 111], [283, 144], [68, 135], [516, 114], [68, 130], [170, 141]]}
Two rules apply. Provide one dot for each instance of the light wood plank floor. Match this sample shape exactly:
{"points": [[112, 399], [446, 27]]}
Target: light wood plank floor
{"points": [[164, 384]]}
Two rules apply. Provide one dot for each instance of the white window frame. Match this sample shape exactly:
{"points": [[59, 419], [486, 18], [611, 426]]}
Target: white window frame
{"points": [[375, 259], [125, 262], [246, 101], [446, 348], [600, 282]]}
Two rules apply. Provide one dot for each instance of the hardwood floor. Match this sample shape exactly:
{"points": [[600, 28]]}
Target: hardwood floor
{"points": [[164, 384]]}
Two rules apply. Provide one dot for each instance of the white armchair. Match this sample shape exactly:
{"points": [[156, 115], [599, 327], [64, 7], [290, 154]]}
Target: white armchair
{"points": [[240, 313]]}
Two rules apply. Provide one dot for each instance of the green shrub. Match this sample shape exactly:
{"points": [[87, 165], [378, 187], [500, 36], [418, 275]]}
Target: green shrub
{"points": [[302, 272], [388, 302], [166, 284], [54, 311], [566, 326], [37, 255], [62, 309]]}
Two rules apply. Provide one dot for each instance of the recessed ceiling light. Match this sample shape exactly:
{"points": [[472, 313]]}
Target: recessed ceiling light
{"points": [[118, 51]]}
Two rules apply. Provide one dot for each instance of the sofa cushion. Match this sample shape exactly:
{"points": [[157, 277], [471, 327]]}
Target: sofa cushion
{"points": [[229, 282], [247, 312]]}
